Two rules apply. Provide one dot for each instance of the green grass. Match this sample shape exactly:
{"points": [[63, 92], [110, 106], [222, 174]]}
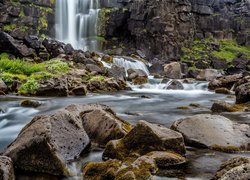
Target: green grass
{"points": [[18, 66], [230, 49], [29, 87]]}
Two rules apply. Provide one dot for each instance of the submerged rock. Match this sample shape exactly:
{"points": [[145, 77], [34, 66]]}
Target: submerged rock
{"points": [[215, 132], [30, 103], [175, 85], [144, 138], [6, 168], [237, 168], [49, 142]]}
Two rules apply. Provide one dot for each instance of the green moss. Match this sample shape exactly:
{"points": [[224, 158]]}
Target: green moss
{"points": [[18, 66], [97, 78], [29, 87], [9, 27], [230, 49]]}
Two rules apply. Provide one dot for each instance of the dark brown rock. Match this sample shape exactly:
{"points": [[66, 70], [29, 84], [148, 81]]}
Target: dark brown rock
{"points": [[6, 168]]}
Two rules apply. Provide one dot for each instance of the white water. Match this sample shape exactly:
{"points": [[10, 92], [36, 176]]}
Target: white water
{"points": [[76, 23]]}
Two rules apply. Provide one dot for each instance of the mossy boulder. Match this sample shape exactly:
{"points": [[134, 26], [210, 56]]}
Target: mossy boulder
{"points": [[221, 106], [222, 91], [144, 138]]}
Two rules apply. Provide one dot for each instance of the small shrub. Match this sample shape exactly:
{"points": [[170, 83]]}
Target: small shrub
{"points": [[57, 66], [30, 87]]}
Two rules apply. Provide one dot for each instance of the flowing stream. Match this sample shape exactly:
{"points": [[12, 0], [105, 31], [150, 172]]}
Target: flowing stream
{"points": [[76, 23], [150, 102]]}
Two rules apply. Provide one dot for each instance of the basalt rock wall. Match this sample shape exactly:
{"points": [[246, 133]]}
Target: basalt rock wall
{"points": [[27, 17], [161, 28]]}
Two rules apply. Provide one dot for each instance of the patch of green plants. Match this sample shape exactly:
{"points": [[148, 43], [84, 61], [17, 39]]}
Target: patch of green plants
{"points": [[57, 66], [18, 66], [9, 27], [97, 78], [230, 49], [30, 87]]}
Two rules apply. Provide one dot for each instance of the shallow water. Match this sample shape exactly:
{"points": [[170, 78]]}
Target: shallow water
{"points": [[156, 106]]}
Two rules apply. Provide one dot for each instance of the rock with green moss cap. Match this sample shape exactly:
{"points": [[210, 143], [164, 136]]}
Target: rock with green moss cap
{"points": [[237, 168], [222, 106], [144, 138], [215, 132]]}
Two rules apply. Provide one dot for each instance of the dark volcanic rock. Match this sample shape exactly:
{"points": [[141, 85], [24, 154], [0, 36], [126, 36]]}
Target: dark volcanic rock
{"points": [[3, 87], [10, 45]]}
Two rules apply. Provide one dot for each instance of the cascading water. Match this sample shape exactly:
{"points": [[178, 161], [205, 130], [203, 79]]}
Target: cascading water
{"points": [[76, 23]]}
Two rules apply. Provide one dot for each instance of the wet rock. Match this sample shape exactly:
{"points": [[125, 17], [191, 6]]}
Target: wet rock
{"points": [[79, 91], [215, 132], [102, 125], [137, 76], [68, 49], [156, 68], [3, 87], [101, 170], [6, 168], [222, 91], [242, 93], [117, 72], [224, 81], [33, 42], [30, 103], [107, 59], [54, 48], [159, 138], [10, 45], [55, 86], [208, 75], [221, 106], [235, 168], [173, 70], [107, 85], [49, 142], [174, 84]]}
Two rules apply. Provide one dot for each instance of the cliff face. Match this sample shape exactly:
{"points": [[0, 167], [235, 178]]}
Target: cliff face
{"points": [[27, 17], [161, 28]]}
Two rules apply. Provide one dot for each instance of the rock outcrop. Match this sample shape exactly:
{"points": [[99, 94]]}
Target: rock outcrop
{"points": [[6, 168]]}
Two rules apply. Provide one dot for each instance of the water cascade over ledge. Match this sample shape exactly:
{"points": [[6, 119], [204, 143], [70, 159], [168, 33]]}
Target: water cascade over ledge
{"points": [[76, 23]]}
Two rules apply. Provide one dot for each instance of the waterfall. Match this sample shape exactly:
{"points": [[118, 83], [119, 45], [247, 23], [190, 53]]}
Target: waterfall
{"points": [[130, 63], [76, 23]]}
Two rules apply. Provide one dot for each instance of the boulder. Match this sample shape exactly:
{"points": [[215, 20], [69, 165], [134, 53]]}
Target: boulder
{"points": [[94, 68], [102, 125], [174, 84], [55, 86], [107, 59], [237, 168], [117, 72], [215, 132], [144, 138], [79, 91], [222, 91], [242, 93], [107, 85], [208, 75], [10, 45], [137, 76], [224, 81], [6, 168], [30, 103], [49, 142], [173, 70], [3, 87], [221, 106]]}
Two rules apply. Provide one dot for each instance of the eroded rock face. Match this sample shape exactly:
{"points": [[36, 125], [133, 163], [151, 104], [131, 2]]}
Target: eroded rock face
{"points": [[224, 81], [3, 87], [235, 168], [214, 131], [144, 138], [49, 142], [6, 168]]}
